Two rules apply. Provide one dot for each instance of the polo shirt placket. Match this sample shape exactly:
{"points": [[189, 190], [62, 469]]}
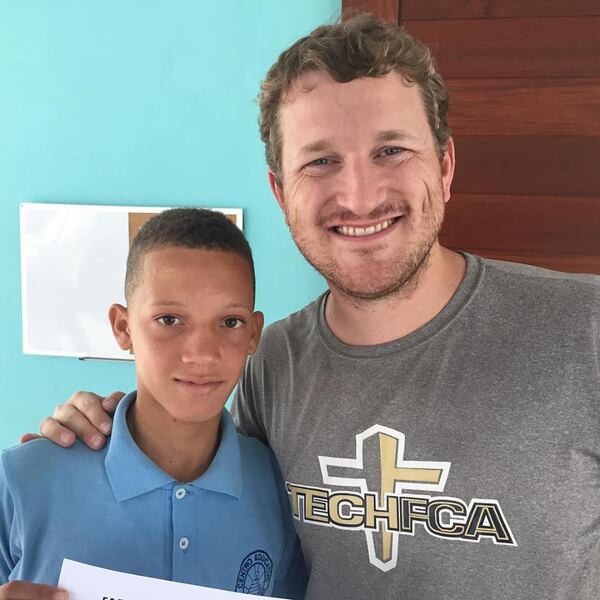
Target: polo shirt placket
{"points": [[185, 544]]}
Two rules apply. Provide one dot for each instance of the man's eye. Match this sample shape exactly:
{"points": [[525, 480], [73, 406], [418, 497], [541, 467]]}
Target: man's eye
{"points": [[233, 322], [319, 162], [168, 320], [392, 151]]}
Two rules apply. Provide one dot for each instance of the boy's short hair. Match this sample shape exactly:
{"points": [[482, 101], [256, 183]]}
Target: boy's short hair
{"points": [[197, 228]]}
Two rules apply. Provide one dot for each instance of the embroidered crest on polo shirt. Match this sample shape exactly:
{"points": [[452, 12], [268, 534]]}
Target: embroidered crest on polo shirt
{"points": [[383, 510], [255, 574]]}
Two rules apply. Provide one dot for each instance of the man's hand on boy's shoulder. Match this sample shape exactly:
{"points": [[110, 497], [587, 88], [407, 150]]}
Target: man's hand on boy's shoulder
{"points": [[85, 415], [24, 590]]}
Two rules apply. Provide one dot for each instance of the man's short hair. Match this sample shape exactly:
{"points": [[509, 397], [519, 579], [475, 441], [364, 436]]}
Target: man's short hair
{"points": [[361, 46], [185, 228]]}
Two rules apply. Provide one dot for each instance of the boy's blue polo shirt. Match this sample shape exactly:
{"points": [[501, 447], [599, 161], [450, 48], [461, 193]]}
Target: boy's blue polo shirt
{"points": [[231, 528]]}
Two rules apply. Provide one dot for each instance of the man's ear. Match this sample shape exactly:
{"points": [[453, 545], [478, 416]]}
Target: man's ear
{"points": [[119, 321], [276, 189], [258, 321], [447, 165]]}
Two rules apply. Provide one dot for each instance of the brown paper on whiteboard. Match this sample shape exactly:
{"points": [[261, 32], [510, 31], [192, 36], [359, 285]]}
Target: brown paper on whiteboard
{"points": [[137, 220]]}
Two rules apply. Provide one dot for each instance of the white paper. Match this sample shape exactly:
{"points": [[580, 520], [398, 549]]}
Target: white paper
{"points": [[85, 582]]}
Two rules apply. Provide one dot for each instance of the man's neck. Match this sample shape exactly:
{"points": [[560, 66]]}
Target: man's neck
{"points": [[183, 450], [359, 323]]}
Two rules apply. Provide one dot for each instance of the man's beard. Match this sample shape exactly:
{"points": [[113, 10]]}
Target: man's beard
{"points": [[378, 282]]}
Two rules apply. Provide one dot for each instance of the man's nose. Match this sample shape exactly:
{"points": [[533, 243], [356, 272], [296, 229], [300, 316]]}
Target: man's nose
{"points": [[361, 188], [201, 347]]}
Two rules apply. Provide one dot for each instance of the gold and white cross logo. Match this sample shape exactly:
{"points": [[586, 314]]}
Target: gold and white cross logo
{"points": [[395, 475]]}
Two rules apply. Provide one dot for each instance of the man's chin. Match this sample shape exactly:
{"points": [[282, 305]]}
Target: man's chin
{"points": [[368, 287], [366, 292]]}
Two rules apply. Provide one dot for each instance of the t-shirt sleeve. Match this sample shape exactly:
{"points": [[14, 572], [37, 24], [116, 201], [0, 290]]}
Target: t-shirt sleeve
{"points": [[245, 410], [7, 526]]}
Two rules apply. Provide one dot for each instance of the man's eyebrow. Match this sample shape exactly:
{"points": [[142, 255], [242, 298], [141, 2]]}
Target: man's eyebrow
{"points": [[387, 135], [393, 135], [317, 146]]}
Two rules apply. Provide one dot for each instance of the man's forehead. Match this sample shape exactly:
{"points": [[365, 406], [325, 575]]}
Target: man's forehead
{"points": [[318, 108], [308, 82]]}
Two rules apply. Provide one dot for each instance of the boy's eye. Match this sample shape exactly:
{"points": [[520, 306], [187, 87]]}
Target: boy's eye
{"points": [[233, 322], [168, 320]]}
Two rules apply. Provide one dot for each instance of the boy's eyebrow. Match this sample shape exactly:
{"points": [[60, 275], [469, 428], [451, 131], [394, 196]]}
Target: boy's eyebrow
{"points": [[175, 303], [167, 303], [235, 305]]}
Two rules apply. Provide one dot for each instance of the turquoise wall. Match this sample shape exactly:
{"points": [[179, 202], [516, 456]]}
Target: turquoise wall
{"points": [[140, 102]]}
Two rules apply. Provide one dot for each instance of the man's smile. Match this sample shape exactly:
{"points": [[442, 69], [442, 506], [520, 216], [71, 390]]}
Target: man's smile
{"points": [[364, 231]]}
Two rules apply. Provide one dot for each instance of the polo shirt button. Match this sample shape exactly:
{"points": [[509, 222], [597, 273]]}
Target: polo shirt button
{"points": [[180, 493], [184, 543]]}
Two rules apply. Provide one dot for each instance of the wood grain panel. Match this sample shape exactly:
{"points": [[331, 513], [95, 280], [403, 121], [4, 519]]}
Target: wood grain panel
{"points": [[551, 232], [513, 48], [442, 9], [478, 9], [535, 166], [524, 224], [525, 106], [386, 10]]}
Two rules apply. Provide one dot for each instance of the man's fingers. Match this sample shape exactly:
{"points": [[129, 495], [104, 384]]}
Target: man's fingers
{"points": [[109, 404], [90, 405], [23, 590], [73, 421], [86, 416], [67, 424], [50, 428], [27, 437]]}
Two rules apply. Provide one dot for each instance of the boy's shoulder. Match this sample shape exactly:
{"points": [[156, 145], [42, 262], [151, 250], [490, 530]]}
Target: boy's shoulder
{"points": [[41, 462], [263, 482], [259, 467], [256, 455]]}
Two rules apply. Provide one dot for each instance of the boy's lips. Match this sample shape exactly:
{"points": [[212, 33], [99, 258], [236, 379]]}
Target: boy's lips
{"points": [[198, 382]]}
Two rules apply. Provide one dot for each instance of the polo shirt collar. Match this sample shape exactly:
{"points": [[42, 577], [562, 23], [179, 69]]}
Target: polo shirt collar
{"points": [[131, 473]]}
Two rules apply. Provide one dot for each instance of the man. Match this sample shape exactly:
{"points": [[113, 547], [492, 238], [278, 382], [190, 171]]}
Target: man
{"points": [[435, 415]]}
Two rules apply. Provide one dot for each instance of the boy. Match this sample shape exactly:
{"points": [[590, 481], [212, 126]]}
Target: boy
{"points": [[181, 494]]}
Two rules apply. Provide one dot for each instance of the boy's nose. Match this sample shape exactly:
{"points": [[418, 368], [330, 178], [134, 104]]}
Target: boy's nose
{"points": [[201, 348]]}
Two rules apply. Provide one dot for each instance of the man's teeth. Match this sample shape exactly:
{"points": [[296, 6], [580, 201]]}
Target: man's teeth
{"points": [[362, 231]]}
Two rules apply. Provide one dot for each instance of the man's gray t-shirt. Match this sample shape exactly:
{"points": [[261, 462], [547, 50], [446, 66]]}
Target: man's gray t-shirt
{"points": [[459, 462]]}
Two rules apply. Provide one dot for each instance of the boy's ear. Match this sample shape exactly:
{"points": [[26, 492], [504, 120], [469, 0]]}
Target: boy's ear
{"points": [[119, 321], [258, 320]]}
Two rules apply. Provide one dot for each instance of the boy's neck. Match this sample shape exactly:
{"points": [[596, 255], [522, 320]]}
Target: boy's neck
{"points": [[182, 450]]}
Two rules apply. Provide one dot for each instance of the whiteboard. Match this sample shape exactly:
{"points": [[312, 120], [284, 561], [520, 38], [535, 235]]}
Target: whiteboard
{"points": [[73, 260]]}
